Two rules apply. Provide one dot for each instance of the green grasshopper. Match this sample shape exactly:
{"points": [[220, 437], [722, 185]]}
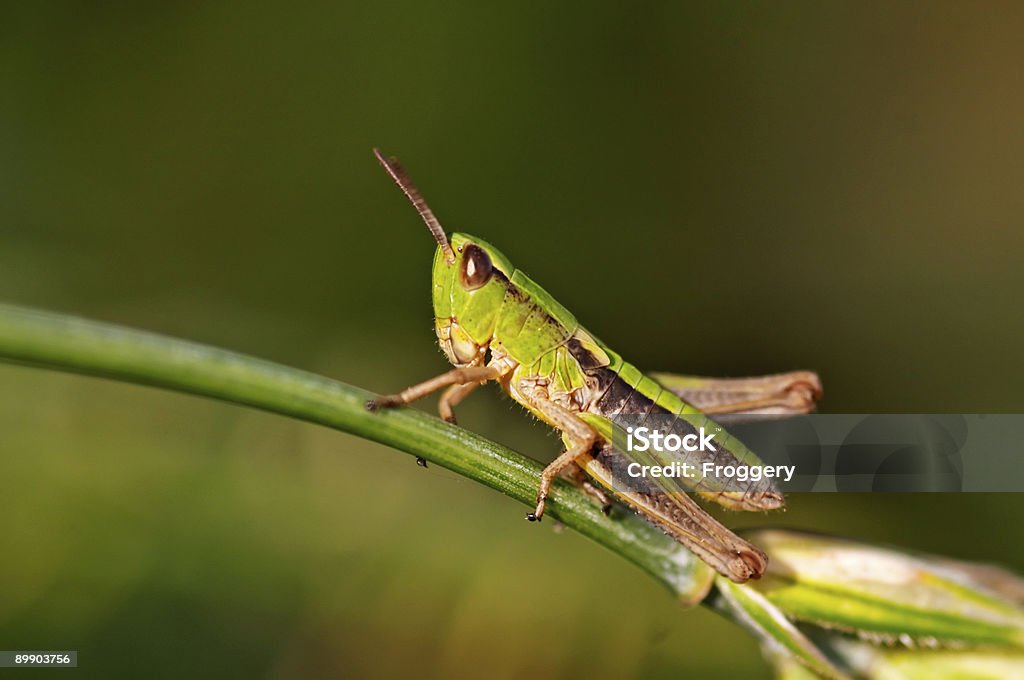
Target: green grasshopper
{"points": [[496, 324]]}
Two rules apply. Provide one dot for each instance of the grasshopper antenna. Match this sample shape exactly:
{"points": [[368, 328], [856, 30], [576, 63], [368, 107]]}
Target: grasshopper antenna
{"points": [[397, 173]]}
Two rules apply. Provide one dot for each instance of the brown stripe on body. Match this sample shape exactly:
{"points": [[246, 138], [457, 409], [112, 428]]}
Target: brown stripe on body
{"points": [[613, 397]]}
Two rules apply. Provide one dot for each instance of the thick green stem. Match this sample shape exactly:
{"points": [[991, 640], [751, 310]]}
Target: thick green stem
{"points": [[72, 344]]}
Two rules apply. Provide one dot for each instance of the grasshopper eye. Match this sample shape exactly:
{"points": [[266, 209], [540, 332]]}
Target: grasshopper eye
{"points": [[476, 267]]}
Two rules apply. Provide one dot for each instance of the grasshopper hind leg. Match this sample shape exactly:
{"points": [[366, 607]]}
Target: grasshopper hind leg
{"points": [[577, 476]]}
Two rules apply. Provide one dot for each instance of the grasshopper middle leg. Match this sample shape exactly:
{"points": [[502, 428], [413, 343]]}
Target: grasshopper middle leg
{"points": [[582, 436]]}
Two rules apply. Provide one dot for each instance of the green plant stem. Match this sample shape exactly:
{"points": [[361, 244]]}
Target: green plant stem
{"points": [[72, 344]]}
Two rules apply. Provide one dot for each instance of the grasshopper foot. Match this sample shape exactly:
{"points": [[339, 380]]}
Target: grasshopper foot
{"points": [[382, 403], [754, 560], [422, 462], [538, 513]]}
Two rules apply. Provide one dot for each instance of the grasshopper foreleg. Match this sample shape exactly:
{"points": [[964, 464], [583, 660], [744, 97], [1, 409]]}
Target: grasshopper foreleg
{"points": [[457, 377]]}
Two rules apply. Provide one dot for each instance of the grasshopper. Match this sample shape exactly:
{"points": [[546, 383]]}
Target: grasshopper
{"points": [[495, 324]]}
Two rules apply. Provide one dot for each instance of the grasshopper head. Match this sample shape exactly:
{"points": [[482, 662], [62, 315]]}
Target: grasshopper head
{"points": [[470, 278], [467, 296]]}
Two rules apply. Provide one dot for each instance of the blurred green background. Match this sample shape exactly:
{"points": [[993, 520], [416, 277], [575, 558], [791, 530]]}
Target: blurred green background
{"points": [[714, 188]]}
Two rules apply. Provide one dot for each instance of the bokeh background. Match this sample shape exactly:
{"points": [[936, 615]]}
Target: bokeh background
{"points": [[713, 188]]}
